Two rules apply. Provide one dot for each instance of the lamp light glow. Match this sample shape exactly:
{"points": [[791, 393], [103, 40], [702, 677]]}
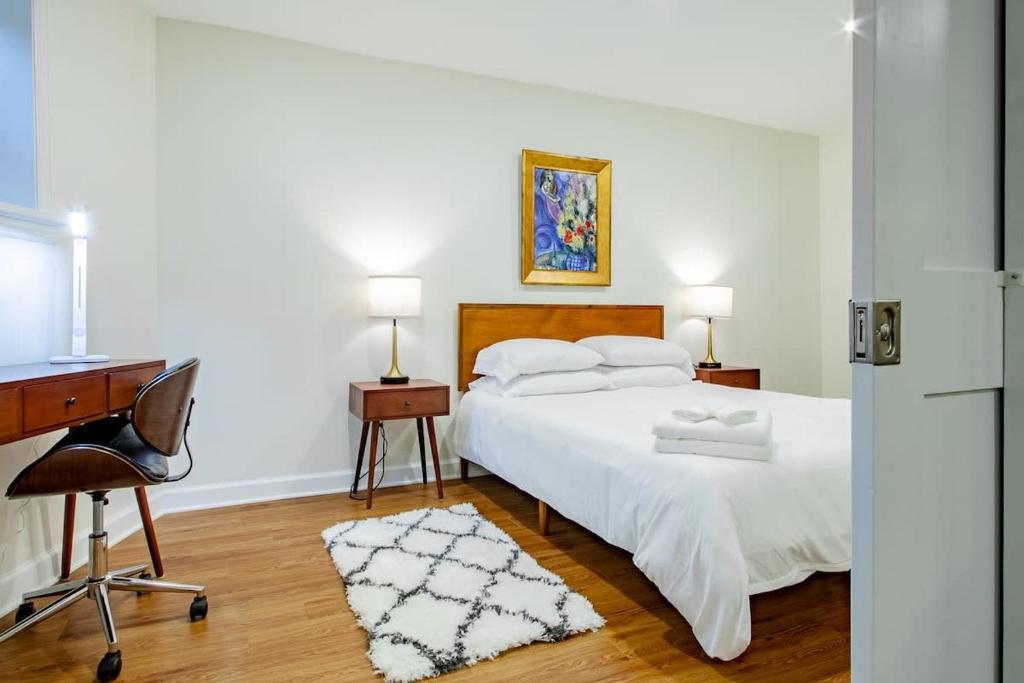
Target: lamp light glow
{"points": [[79, 224], [850, 26]]}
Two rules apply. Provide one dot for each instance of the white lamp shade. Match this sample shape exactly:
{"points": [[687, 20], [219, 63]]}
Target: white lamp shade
{"points": [[709, 301], [394, 296]]}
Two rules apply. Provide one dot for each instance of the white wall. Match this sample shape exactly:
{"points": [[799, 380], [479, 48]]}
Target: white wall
{"points": [[835, 191], [97, 104], [289, 172]]}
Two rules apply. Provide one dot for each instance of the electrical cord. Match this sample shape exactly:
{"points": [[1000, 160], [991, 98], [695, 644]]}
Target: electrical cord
{"points": [[380, 463]]}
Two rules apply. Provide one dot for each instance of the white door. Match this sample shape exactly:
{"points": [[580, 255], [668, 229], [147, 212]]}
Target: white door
{"points": [[1013, 394], [925, 580]]}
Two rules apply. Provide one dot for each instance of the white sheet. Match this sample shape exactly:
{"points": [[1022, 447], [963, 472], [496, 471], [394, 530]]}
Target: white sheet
{"points": [[709, 532]]}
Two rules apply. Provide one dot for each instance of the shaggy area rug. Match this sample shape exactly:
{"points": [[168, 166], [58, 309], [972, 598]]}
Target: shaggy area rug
{"points": [[439, 589]]}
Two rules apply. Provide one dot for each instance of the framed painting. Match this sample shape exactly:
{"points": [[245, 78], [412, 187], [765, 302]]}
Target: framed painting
{"points": [[566, 220]]}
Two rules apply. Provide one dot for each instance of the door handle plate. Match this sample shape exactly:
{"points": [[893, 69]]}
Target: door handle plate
{"points": [[875, 334]]}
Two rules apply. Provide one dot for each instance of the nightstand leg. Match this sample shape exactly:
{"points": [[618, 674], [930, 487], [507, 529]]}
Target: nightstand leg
{"points": [[463, 469], [373, 462], [359, 458], [433, 454], [423, 451]]}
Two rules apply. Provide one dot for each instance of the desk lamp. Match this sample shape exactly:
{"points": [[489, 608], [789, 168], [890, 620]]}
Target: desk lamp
{"points": [[79, 224]]}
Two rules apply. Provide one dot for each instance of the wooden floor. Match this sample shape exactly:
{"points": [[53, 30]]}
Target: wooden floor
{"points": [[278, 611]]}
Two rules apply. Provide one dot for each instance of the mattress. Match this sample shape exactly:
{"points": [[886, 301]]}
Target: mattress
{"points": [[709, 532]]}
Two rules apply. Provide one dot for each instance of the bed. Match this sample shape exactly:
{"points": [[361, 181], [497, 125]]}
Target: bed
{"points": [[708, 532]]}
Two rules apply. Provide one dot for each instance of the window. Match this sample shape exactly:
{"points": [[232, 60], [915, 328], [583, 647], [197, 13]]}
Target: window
{"points": [[17, 113]]}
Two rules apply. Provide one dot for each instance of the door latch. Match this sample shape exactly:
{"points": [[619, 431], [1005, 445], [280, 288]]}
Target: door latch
{"points": [[875, 332]]}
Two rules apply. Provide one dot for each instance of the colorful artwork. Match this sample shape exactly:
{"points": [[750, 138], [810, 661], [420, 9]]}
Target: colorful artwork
{"points": [[566, 231], [564, 220]]}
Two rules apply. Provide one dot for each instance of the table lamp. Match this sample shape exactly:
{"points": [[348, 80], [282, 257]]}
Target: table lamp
{"points": [[709, 301], [79, 224], [394, 296]]}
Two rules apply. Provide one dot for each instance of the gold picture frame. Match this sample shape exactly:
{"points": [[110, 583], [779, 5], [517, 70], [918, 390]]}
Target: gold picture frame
{"points": [[566, 228]]}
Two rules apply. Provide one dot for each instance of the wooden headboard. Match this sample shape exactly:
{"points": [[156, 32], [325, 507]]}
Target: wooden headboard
{"points": [[481, 325]]}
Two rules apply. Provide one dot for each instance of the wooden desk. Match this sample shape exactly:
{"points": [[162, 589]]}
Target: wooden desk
{"points": [[39, 397]]}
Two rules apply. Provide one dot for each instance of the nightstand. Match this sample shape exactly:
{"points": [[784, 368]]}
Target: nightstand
{"points": [[373, 402], [731, 376]]}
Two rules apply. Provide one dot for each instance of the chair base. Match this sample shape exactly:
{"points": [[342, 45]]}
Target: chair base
{"points": [[97, 587]]}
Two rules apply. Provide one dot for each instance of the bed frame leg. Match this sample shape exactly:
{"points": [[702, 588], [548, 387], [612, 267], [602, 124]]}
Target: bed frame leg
{"points": [[463, 469], [542, 517]]}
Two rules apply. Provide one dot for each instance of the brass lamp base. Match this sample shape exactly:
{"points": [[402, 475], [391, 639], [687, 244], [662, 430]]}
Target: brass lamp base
{"points": [[394, 376], [709, 361]]}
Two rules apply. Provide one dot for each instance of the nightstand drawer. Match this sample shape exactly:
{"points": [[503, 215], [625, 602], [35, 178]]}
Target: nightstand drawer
{"points": [[56, 403], [383, 405], [742, 378]]}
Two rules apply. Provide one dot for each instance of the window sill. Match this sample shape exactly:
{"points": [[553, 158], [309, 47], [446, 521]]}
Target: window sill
{"points": [[21, 222]]}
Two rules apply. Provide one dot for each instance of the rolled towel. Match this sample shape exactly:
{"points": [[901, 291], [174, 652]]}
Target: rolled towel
{"points": [[758, 432], [718, 449], [694, 413], [731, 415]]}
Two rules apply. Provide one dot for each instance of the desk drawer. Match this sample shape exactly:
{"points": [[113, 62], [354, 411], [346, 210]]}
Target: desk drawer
{"points": [[383, 405], [125, 384], [10, 412], [55, 403]]}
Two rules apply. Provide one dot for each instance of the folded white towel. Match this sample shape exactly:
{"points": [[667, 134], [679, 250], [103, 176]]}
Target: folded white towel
{"points": [[758, 432], [718, 449], [723, 411]]}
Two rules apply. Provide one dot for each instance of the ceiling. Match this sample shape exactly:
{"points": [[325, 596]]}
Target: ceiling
{"points": [[783, 64]]}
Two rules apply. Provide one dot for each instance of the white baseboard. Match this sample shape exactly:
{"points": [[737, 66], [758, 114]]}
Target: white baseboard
{"points": [[44, 569], [206, 496]]}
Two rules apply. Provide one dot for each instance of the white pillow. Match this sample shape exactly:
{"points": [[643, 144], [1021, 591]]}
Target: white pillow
{"points": [[622, 350], [577, 382], [511, 358], [647, 376]]}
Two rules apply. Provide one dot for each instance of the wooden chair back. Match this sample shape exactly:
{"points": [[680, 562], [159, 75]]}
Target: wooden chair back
{"points": [[161, 408]]}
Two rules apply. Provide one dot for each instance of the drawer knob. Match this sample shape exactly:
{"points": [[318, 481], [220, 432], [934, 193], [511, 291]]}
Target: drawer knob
{"points": [[70, 401], [735, 381], [408, 403]]}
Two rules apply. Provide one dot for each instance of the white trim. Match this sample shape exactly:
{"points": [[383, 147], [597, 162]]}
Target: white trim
{"points": [[44, 568], [173, 499]]}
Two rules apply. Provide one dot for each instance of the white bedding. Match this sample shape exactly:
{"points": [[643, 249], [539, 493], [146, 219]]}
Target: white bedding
{"points": [[708, 531]]}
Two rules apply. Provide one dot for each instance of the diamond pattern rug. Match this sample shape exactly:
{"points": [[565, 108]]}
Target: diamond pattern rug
{"points": [[439, 589]]}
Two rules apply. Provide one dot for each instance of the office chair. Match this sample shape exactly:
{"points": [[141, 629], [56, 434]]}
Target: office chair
{"points": [[95, 458]]}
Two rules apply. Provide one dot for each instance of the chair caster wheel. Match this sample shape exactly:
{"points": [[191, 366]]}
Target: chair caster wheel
{"points": [[25, 610], [110, 666], [145, 576], [197, 610]]}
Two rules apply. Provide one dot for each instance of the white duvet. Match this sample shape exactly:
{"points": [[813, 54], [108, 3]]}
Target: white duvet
{"points": [[708, 531]]}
